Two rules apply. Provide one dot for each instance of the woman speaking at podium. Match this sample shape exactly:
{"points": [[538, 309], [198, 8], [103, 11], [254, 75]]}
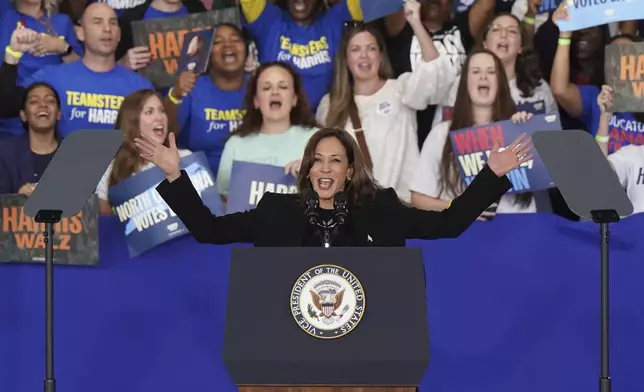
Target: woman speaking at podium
{"points": [[338, 204]]}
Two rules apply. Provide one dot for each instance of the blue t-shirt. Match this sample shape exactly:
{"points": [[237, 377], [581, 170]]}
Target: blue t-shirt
{"points": [[207, 116], [309, 49], [153, 13], [61, 25], [89, 100], [623, 130]]}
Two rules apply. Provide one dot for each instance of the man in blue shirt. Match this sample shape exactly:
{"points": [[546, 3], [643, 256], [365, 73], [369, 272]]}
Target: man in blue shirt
{"points": [[91, 89]]}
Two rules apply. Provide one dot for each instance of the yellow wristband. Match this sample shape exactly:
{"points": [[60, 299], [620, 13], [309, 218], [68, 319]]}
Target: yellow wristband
{"points": [[528, 20], [602, 139], [449, 204], [564, 41], [173, 99], [12, 52]]}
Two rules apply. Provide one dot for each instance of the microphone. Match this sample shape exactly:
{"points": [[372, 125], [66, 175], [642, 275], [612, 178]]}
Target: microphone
{"points": [[312, 204], [340, 203]]}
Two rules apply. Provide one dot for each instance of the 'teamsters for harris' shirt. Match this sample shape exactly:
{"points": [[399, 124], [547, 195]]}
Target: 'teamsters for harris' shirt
{"points": [[89, 100], [207, 116], [309, 49]]}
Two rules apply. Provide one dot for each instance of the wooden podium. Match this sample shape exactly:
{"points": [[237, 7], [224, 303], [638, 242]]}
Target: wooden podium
{"points": [[326, 320]]}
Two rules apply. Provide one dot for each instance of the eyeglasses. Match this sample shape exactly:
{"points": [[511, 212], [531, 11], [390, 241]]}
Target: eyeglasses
{"points": [[511, 30]]}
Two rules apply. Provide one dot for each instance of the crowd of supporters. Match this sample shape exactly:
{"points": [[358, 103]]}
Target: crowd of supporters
{"points": [[398, 84]]}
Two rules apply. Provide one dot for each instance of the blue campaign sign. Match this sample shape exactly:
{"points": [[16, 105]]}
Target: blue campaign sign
{"points": [[472, 146], [589, 13], [376, 9], [537, 107], [146, 218], [249, 181], [548, 6]]}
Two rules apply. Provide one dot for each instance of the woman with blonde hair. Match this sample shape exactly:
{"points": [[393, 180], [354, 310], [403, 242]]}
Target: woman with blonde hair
{"points": [[141, 114], [381, 111], [57, 41]]}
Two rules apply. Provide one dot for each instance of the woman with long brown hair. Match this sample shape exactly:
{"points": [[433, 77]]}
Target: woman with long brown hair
{"points": [[332, 165], [276, 126], [483, 97], [507, 38], [141, 113], [379, 110]]}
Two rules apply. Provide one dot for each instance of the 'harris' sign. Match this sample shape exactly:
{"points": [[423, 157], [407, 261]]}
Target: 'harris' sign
{"points": [[164, 38], [249, 181]]}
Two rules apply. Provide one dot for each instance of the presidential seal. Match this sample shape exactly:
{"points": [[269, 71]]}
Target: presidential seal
{"points": [[327, 301]]}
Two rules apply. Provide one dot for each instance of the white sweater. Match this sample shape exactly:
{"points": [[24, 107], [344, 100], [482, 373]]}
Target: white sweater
{"points": [[388, 119]]}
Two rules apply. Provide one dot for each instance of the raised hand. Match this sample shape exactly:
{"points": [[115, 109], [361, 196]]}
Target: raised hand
{"points": [[23, 40], [165, 158], [502, 161], [521, 117], [533, 8], [293, 167], [184, 84], [136, 58], [412, 11], [49, 44], [561, 13], [605, 100]]}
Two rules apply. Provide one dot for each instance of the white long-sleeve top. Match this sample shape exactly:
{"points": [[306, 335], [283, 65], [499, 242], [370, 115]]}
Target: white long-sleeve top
{"points": [[388, 119]]}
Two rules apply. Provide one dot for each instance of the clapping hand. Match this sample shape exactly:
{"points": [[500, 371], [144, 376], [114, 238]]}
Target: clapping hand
{"points": [[165, 158], [24, 40], [503, 161]]}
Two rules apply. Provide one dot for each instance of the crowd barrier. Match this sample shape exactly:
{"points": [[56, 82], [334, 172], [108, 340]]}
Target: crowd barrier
{"points": [[513, 307]]}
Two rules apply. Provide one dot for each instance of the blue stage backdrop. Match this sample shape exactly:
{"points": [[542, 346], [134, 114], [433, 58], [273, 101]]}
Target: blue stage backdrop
{"points": [[513, 306]]}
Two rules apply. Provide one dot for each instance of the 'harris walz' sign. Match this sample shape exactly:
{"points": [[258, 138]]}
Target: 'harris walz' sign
{"points": [[165, 37], [22, 239], [625, 73]]}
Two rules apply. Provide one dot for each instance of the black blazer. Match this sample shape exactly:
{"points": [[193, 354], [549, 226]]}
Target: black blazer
{"points": [[279, 220]]}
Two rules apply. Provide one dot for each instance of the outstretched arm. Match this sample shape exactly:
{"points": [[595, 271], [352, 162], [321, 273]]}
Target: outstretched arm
{"points": [[183, 199], [451, 222]]}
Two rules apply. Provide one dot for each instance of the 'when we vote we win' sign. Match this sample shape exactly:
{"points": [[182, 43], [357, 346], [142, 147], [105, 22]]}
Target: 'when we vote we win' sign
{"points": [[473, 146]]}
